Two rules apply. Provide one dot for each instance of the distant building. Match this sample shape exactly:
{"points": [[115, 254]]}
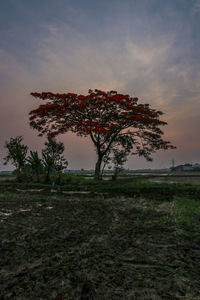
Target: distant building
{"points": [[196, 167], [187, 167]]}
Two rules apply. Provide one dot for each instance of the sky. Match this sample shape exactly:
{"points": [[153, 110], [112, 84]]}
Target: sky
{"points": [[145, 48]]}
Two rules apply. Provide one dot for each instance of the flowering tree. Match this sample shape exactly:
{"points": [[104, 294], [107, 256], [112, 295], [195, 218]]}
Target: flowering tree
{"points": [[111, 120]]}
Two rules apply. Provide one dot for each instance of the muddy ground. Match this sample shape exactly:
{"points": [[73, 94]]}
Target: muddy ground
{"points": [[127, 248]]}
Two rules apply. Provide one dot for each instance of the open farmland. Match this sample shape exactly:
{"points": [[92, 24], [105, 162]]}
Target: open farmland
{"points": [[127, 246]]}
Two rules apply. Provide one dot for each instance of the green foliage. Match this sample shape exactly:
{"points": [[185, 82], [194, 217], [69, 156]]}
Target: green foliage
{"points": [[14, 173], [33, 168], [120, 155], [54, 150], [138, 181], [27, 173], [53, 160], [48, 162], [35, 164], [154, 191], [22, 177], [69, 178], [188, 210]]}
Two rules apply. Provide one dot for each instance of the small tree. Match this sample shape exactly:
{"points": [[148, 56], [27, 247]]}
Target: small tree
{"points": [[120, 157], [60, 166], [53, 160], [48, 162], [35, 163], [106, 161], [121, 148], [16, 154]]}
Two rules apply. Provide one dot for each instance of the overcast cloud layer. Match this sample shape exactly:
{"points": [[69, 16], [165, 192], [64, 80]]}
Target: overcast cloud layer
{"points": [[145, 48]]}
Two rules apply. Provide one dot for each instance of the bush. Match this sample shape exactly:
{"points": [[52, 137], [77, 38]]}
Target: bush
{"points": [[59, 179], [24, 176], [65, 179], [139, 181], [72, 179]]}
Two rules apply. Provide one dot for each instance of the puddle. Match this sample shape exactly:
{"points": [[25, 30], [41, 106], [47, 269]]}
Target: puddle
{"points": [[65, 192], [79, 192], [7, 214], [162, 181], [30, 190], [76, 192], [24, 209]]}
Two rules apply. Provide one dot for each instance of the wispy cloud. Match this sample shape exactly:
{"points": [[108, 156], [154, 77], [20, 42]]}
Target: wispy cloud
{"points": [[196, 6], [134, 52]]}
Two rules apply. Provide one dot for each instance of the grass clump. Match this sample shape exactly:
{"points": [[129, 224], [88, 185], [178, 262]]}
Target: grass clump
{"points": [[139, 181]]}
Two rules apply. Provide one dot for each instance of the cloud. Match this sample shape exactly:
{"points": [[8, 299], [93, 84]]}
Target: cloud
{"points": [[196, 7], [72, 59], [129, 55]]}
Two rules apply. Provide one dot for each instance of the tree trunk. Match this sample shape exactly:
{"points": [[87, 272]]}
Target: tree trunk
{"points": [[98, 168], [47, 175], [115, 175], [19, 179], [37, 176], [103, 170]]}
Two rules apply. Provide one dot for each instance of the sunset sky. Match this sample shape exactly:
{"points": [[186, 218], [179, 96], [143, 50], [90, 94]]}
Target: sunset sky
{"points": [[148, 49]]}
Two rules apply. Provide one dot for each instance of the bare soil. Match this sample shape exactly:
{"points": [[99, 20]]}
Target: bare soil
{"points": [[127, 248]]}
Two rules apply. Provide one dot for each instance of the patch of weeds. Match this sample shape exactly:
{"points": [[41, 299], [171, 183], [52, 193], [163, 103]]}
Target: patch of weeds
{"points": [[139, 181], [188, 211]]}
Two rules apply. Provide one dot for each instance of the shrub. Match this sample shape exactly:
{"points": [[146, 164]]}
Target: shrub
{"points": [[72, 179], [139, 181]]}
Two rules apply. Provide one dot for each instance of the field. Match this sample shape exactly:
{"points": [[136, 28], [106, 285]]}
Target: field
{"points": [[129, 240]]}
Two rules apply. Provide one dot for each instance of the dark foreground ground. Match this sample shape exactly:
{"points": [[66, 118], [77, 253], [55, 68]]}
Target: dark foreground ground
{"points": [[126, 247]]}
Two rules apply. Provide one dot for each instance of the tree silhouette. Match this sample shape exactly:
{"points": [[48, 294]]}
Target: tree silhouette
{"points": [[35, 163], [53, 159], [16, 153], [111, 120]]}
